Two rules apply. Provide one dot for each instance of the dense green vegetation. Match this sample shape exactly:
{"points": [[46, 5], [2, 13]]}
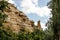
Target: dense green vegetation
{"points": [[55, 19], [3, 5], [35, 35]]}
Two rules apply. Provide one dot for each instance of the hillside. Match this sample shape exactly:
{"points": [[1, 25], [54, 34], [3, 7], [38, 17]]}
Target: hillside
{"points": [[17, 20]]}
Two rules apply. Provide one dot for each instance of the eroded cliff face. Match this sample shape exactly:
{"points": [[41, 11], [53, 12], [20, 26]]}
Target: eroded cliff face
{"points": [[17, 20]]}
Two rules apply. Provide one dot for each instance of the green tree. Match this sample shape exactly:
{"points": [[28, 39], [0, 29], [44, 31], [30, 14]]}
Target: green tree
{"points": [[2, 19], [7, 35], [55, 6], [35, 35], [3, 5]]}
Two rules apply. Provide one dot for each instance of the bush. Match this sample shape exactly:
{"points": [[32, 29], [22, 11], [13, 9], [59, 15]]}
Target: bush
{"points": [[36, 35]]}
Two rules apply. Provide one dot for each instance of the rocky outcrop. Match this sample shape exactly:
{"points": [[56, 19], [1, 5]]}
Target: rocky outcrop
{"points": [[39, 25], [17, 19]]}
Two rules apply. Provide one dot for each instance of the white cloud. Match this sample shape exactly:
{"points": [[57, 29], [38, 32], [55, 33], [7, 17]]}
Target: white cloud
{"points": [[43, 26], [31, 6], [11, 1], [35, 2]]}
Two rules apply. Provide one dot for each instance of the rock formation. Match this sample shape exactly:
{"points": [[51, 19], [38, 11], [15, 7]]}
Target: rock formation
{"points": [[17, 19], [38, 25]]}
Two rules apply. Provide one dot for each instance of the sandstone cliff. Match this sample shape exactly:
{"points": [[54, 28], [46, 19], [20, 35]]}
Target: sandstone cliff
{"points": [[17, 20]]}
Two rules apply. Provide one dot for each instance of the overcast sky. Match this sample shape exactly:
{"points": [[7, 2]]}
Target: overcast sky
{"points": [[34, 9]]}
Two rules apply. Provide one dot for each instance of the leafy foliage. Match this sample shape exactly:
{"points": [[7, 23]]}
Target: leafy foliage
{"points": [[2, 18], [55, 24], [3, 4], [35, 35], [7, 35]]}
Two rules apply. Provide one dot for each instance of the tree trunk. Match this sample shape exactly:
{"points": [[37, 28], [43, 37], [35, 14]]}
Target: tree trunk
{"points": [[58, 35]]}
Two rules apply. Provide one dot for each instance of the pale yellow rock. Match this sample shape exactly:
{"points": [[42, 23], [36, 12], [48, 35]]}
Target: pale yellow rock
{"points": [[17, 19]]}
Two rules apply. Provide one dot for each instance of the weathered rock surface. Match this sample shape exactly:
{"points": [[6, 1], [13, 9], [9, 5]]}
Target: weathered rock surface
{"points": [[17, 19]]}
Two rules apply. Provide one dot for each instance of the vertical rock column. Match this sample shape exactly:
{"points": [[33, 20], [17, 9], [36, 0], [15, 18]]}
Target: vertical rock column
{"points": [[39, 25], [32, 23]]}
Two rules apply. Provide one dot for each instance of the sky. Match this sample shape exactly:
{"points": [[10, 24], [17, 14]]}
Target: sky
{"points": [[34, 9]]}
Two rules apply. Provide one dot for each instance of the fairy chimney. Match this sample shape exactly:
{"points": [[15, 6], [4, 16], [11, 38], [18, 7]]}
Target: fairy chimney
{"points": [[39, 25]]}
